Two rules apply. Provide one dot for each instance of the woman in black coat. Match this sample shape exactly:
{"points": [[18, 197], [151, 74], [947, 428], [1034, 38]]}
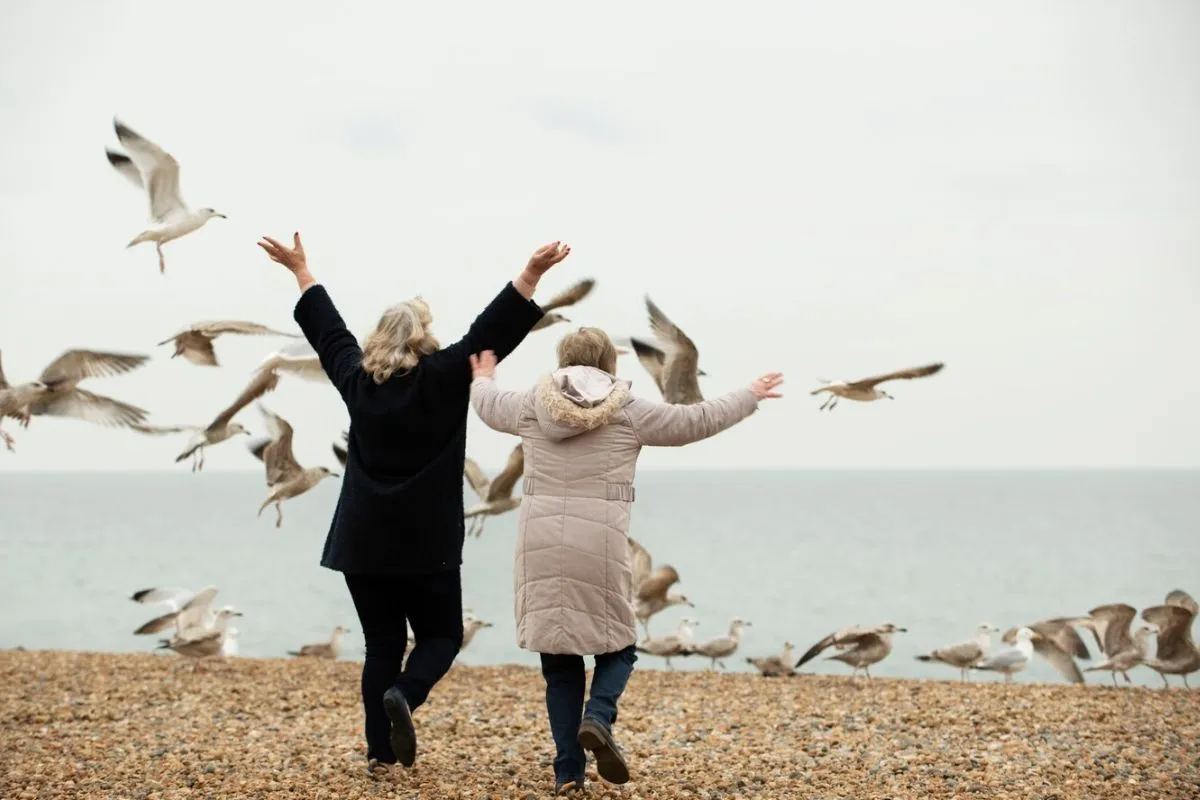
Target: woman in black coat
{"points": [[397, 531]]}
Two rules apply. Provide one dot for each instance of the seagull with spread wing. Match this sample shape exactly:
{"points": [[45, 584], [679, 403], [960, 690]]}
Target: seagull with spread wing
{"points": [[861, 647], [285, 477], [1058, 642], [188, 609], [866, 390], [495, 496], [56, 392], [1175, 652], [675, 368], [569, 297], [1109, 625], [222, 427], [195, 342], [650, 586], [156, 172]]}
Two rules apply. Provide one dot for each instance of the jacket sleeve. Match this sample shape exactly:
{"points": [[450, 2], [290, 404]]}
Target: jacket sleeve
{"points": [[669, 425], [337, 348], [499, 410], [501, 326]]}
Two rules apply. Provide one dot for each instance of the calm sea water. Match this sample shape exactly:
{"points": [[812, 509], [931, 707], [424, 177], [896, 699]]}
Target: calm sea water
{"points": [[799, 554]]}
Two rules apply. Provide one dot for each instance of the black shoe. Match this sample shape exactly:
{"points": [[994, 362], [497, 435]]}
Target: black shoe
{"points": [[403, 736], [568, 787], [609, 762]]}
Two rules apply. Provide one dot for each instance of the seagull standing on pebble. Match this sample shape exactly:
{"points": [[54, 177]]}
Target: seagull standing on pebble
{"points": [[156, 171]]}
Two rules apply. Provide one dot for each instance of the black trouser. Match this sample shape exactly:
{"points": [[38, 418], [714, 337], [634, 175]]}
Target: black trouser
{"points": [[432, 604]]}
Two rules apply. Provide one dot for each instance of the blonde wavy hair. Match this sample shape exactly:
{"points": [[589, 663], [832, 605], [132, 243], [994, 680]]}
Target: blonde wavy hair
{"points": [[588, 347], [399, 341]]}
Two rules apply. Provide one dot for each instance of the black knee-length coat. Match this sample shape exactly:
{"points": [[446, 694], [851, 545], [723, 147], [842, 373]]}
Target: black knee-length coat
{"points": [[401, 506]]}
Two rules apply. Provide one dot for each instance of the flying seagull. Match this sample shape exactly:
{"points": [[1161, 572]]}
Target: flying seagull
{"points": [[495, 496], [195, 342], [861, 647], [569, 297], [650, 586], [188, 609], [156, 171], [285, 477], [222, 427], [675, 368], [865, 390], [56, 392]]}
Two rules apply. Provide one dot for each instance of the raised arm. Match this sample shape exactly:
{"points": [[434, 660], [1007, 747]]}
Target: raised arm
{"points": [[510, 316], [671, 425], [337, 348], [500, 410]]}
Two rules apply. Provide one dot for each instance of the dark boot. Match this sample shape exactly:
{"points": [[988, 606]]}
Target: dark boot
{"points": [[403, 736], [610, 763]]}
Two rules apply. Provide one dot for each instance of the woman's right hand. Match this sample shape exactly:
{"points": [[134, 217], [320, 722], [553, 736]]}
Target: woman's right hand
{"points": [[764, 385]]}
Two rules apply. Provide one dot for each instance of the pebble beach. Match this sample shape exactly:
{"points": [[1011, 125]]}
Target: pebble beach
{"points": [[94, 725]]}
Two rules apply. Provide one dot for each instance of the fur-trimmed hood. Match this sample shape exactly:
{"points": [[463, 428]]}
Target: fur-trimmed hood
{"points": [[574, 400]]}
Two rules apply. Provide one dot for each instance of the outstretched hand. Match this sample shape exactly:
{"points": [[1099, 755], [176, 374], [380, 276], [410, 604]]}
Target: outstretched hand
{"points": [[292, 258], [764, 386], [547, 256], [483, 365]]}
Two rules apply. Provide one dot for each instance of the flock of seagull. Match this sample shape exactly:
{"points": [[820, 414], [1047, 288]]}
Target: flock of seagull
{"points": [[1057, 640], [673, 363], [198, 631]]}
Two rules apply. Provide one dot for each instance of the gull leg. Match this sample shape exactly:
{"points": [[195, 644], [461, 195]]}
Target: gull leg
{"points": [[1125, 675], [1185, 683], [1114, 677], [26, 416], [201, 458], [279, 514], [867, 670], [8, 441], [825, 405], [1165, 684], [833, 405], [162, 262], [722, 663]]}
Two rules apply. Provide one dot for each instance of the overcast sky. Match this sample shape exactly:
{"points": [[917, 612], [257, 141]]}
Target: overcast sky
{"points": [[827, 189]]}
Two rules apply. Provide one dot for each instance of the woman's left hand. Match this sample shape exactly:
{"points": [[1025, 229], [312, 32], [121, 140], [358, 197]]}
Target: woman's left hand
{"points": [[483, 365]]}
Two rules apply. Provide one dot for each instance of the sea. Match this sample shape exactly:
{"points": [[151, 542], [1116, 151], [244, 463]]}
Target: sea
{"points": [[798, 554]]}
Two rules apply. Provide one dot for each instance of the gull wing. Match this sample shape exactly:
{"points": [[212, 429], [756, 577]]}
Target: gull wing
{"points": [[1174, 625], [815, 650], [959, 654], [281, 462], [160, 623], [1180, 598], [651, 358], [904, 374], [641, 562], [89, 407], [657, 583], [193, 612], [474, 475], [572, 295], [1060, 631], [160, 430], [260, 384], [76, 365], [502, 485], [1059, 658], [1112, 627], [1005, 659], [680, 369], [159, 170], [239, 327], [173, 597], [124, 165]]}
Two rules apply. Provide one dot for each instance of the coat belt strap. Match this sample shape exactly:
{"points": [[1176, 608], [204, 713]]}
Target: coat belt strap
{"points": [[612, 491]]}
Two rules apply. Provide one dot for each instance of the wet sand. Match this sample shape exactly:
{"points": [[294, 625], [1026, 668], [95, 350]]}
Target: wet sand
{"points": [[90, 725]]}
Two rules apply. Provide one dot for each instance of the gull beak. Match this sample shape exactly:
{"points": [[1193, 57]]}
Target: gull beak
{"points": [[901, 630], [222, 216], [702, 373], [335, 474], [691, 604], [238, 614]]}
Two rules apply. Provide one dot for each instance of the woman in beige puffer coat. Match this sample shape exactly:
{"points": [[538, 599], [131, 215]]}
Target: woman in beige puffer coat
{"points": [[582, 431]]}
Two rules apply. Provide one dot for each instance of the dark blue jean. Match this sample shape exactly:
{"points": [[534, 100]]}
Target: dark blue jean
{"points": [[565, 684]]}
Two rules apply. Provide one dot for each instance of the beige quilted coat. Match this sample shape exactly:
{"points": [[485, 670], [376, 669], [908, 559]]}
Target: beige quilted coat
{"points": [[582, 431]]}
